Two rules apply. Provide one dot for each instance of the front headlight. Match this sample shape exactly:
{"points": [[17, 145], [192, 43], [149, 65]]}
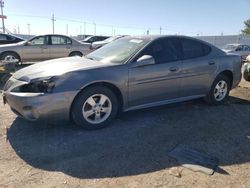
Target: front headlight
{"points": [[37, 86]]}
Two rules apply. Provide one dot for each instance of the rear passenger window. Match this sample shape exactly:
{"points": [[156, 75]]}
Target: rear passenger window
{"points": [[193, 49]]}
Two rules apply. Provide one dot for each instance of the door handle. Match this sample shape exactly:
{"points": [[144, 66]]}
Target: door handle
{"points": [[44, 47], [68, 47], [211, 63], [173, 69]]}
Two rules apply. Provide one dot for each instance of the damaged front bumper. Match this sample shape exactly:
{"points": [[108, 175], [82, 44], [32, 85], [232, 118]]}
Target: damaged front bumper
{"points": [[38, 106]]}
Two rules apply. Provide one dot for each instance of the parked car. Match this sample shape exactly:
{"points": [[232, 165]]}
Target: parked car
{"points": [[246, 69], [99, 44], [9, 39], [92, 39], [127, 74], [242, 50], [44, 47]]}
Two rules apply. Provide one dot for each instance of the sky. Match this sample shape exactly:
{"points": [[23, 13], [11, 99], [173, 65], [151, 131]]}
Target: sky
{"points": [[132, 17]]}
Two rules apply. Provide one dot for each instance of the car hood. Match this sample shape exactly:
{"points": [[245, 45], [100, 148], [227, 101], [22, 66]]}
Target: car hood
{"points": [[228, 51], [57, 67], [13, 44]]}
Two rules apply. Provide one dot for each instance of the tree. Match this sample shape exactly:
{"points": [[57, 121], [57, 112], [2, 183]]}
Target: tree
{"points": [[246, 30]]}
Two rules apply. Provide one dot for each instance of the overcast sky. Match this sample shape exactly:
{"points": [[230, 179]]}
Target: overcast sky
{"points": [[107, 17]]}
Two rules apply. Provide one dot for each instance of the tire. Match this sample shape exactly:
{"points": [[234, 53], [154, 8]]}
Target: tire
{"points": [[75, 54], [89, 112], [217, 88], [4, 77], [10, 55], [246, 76]]}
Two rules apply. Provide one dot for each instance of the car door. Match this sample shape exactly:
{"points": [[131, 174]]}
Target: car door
{"points": [[159, 81], [35, 49], [198, 67], [60, 46]]}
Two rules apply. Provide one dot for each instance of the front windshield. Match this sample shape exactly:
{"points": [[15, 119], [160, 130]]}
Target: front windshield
{"points": [[118, 51], [230, 47], [110, 39]]}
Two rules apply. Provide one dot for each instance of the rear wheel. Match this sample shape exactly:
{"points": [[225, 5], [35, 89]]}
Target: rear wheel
{"points": [[95, 107], [219, 91]]}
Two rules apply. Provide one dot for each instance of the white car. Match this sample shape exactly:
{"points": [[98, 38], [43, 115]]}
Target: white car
{"points": [[246, 69], [240, 49]]}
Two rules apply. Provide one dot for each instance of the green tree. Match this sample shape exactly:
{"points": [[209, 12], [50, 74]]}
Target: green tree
{"points": [[246, 30]]}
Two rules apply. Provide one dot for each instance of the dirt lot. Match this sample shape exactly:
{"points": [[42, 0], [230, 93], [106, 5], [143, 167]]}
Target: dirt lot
{"points": [[132, 152]]}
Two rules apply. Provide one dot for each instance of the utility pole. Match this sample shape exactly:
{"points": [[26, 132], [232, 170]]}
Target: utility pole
{"points": [[2, 16], [67, 29], [28, 28], [53, 23], [94, 28], [160, 30], [84, 28]]}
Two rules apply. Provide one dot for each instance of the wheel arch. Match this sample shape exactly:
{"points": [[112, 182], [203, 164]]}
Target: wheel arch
{"points": [[75, 51], [229, 75], [10, 51], [109, 85]]}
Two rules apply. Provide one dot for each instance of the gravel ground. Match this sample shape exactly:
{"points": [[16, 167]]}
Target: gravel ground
{"points": [[132, 152]]}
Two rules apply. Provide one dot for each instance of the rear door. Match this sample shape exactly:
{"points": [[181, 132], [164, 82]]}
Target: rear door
{"points": [[60, 46], [157, 82], [198, 67]]}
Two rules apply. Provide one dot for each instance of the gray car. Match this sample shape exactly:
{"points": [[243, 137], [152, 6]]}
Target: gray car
{"points": [[127, 74], [44, 47]]}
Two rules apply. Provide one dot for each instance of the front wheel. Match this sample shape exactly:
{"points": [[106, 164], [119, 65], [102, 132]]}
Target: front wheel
{"points": [[219, 91], [95, 107]]}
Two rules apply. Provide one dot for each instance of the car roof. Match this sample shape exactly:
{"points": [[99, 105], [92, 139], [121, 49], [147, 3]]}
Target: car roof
{"points": [[154, 37]]}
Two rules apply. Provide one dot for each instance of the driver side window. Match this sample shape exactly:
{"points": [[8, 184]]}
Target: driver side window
{"points": [[162, 50], [38, 41]]}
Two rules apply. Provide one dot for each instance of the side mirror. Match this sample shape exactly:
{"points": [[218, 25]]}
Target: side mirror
{"points": [[28, 43], [145, 60]]}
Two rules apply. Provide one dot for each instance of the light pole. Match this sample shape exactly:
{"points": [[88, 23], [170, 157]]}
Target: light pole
{"points": [[2, 5], [84, 28], [28, 28], [94, 28], [53, 23]]}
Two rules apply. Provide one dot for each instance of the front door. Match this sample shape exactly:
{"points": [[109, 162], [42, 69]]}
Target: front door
{"points": [[158, 82], [36, 49]]}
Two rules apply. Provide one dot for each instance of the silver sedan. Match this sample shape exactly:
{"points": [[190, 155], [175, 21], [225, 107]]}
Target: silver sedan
{"points": [[44, 47], [127, 74]]}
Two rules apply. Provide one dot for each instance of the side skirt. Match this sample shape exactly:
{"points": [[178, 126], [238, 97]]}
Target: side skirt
{"points": [[164, 102]]}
